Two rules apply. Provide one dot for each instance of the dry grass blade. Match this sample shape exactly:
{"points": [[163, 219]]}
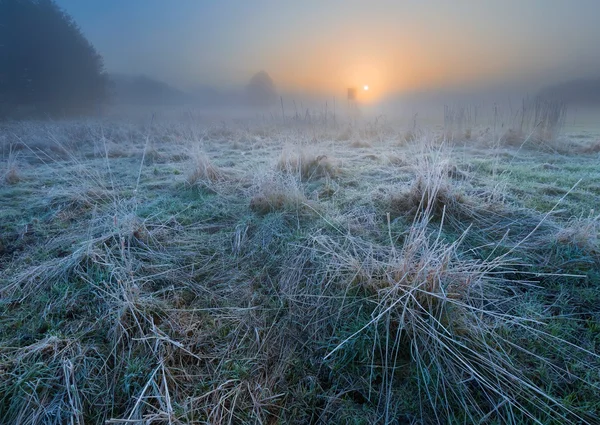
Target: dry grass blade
{"points": [[323, 284]]}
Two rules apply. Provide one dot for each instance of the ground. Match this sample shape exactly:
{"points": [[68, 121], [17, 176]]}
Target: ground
{"points": [[252, 271]]}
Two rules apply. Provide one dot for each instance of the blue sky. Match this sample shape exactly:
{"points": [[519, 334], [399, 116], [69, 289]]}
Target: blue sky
{"points": [[320, 45]]}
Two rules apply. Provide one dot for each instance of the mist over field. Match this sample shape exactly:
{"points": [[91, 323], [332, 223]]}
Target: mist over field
{"points": [[268, 212]]}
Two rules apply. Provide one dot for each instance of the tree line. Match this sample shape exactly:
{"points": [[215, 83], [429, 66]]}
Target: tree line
{"points": [[47, 66], [49, 69]]}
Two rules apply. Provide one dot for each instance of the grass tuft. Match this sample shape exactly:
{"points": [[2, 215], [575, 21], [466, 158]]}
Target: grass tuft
{"points": [[203, 170], [415, 284], [592, 148], [433, 192], [583, 233], [10, 173], [361, 144], [274, 192], [307, 165]]}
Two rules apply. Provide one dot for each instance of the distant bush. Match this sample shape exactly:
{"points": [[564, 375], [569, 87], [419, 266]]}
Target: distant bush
{"points": [[47, 66], [260, 91]]}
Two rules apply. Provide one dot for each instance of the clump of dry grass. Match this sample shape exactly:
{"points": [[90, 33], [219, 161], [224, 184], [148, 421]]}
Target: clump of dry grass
{"points": [[272, 193], [432, 191], [422, 196], [361, 144], [116, 150], [203, 170], [12, 176], [582, 232], [10, 172], [513, 137], [116, 230], [247, 141], [397, 159], [109, 149], [66, 374], [306, 164], [345, 134], [154, 156], [537, 120], [271, 201], [468, 133], [592, 148], [407, 137], [454, 318]]}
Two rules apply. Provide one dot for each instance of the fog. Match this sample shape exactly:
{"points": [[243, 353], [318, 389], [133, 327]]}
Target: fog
{"points": [[413, 55], [299, 211]]}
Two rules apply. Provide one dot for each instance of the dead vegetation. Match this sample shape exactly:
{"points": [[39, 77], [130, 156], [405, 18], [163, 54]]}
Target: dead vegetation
{"points": [[307, 165], [409, 288], [277, 200], [10, 169], [361, 144], [433, 191], [593, 148], [537, 121], [203, 170], [421, 196], [583, 233], [280, 192], [436, 311]]}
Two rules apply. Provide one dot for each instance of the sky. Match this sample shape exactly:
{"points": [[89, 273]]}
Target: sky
{"points": [[325, 46]]}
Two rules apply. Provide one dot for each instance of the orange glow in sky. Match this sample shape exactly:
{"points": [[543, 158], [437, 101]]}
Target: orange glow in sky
{"points": [[325, 47]]}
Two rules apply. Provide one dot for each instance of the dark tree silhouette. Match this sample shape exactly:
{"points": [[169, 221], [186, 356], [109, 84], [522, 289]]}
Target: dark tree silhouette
{"points": [[47, 66], [260, 91]]}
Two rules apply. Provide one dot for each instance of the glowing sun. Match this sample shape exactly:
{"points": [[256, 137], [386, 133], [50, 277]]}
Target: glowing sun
{"points": [[366, 88]]}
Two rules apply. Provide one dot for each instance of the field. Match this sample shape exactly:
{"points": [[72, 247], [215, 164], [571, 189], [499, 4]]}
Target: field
{"points": [[172, 271]]}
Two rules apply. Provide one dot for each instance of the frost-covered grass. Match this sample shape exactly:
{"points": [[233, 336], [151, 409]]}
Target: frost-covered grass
{"points": [[252, 272]]}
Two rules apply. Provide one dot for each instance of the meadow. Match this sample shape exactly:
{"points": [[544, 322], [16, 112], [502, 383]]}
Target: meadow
{"points": [[175, 269]]}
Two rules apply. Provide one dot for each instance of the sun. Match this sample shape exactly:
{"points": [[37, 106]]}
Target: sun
{"points": [[366, 88]]}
